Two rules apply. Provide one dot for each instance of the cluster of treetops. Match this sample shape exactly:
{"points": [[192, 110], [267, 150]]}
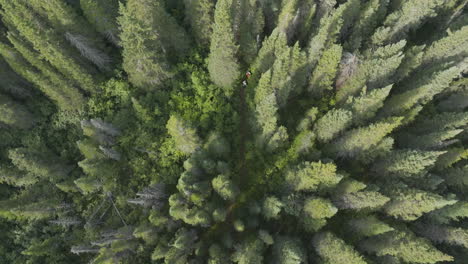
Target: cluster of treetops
{"points": [[128, 136]]}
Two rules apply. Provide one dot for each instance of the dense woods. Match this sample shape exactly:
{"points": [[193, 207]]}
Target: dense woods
{"points": [[234, 131]]}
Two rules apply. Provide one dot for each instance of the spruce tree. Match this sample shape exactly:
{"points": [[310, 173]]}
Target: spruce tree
{"points": [[143, 39], [222, 62], [102, 14], [332, 124], [14, 114], [351, 143], [200, 15], [405, 246], [410, 204], [332, 249]]}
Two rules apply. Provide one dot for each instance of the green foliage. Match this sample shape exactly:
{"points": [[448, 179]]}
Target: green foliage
{"points": [[233, 131], [271, 207], [404, 246], [185, 137], [332, 249], [223, 66], [410, 204], [310, 176], [14, 114], [287, 250]]}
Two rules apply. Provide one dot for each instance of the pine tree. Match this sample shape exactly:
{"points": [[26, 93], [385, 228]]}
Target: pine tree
{"points": [[248, 27], [456, 177], [15, 177], [376, 69], [368, 226], [439, 122], [370, 17], [225, 187], [421, 94], [446, 48], [185, 137], [222, 63], [145, 57], [410, 204], [102, 14], [409, 15], [200, 15], [447, 214], [288, 250], [365, 106], [404, 246], [444, 234], [250, 251], [332, 249], [324, 73], [455, 102], [319, 208], [351, 143], [361, 200], [271, 207], [15, 114], [65, 20], [41, 163], [332, 124], [435, 140], [406, 163], [50, 44], [54, 84], [310, 176]]}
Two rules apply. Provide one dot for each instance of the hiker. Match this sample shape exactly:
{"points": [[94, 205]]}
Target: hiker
{"points": [[248, 74], [244, 83]]}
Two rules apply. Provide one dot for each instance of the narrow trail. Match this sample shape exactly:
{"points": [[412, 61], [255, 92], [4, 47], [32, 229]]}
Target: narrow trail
{"points": [[243, 134], [242, 171]]}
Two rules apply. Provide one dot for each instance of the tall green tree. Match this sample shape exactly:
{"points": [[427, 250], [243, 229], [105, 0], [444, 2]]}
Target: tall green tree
{"points": [[223, 64]]}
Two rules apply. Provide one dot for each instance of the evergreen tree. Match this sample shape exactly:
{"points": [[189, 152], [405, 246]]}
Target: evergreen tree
{"points": [[332, 249], [310, 176], [41, 163], [150, 38], [365, 106], [185, 137], [410, 204], [376, 69], [287, 250], [222, 62], [370, 17], [324, 73], [14, 114], [361, 200], [200, 15], [445, 234], [248, 27], [249, 251], [404, 246], [102, 14], [225, 187], [332, 124], [408, 16], [399, 103], [454, 212], [406, 163], [350, 144], [271, 207], [368, 226], [49, 43], [319, 208], [456, 177]]}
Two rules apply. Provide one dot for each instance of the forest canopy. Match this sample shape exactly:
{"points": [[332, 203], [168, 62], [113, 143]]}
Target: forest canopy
{"points": [[234, 131]]}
